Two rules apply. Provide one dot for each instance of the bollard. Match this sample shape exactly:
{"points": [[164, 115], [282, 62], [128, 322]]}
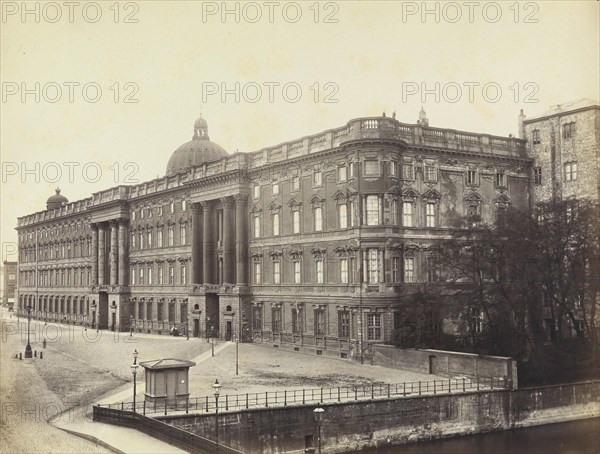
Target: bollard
{"points": [[35, 353], [20, 356], [41, 355], [16, 356]]}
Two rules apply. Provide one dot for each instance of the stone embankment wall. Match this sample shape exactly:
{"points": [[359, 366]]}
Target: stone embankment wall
{"points": [[445, 363], [385, 422]]}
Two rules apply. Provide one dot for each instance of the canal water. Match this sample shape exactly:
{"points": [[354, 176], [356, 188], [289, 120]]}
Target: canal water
{"points": [[575, 437]]}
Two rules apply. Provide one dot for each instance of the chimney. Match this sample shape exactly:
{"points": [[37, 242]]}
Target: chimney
{"points": [[521, 125]]}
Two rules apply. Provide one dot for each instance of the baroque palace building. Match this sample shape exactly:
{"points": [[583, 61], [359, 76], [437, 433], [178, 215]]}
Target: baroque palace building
{"points": [[312, 242]]}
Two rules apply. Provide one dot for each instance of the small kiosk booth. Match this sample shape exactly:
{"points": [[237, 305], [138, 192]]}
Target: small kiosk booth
{"points": [[167, 381]]}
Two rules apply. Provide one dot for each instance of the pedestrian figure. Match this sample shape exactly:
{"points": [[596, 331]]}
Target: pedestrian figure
{"points": [[44, 343]]}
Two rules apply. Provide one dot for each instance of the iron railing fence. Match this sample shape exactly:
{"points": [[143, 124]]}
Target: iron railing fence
{"points": [[265, 399]]}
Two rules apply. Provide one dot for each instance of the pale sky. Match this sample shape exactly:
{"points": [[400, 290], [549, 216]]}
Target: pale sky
{"points": [[367, 56]]}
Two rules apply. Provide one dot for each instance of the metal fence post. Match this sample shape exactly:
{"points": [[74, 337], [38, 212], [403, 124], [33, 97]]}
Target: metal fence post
{"points": [[144, 408], [419, 387], [303, 400], [285, 398], [246, 400], [266, 398], [226, 402], [338, 393], [478, 383], [463, 384], [449, 386]]}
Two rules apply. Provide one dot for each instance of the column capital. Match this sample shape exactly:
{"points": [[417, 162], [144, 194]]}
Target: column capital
{"points": [[196, 208], [207, 205], [227, 201], [94, 225], [240, 199]]}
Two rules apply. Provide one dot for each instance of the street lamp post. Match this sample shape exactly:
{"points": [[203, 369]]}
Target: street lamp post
{"points": [[318, 414], [212, 339], [131, 326], [135, 355], [237, 347], [134, 372], [217, 387], [113, 310], [28, 353]]}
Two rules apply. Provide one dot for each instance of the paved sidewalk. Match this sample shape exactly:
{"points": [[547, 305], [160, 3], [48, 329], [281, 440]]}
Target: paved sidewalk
{"points": [[120, 439]]}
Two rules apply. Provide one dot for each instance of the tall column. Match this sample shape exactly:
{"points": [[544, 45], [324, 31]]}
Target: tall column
{"points": [[196, 244], [241, 235], [94, 271], [123, 251], [101, 253], [114, 252], [208, 259], [228, 242]]}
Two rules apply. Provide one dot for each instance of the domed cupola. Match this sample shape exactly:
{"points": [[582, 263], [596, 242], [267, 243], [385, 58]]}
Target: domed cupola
{"points": [[56, 200], [199, 150]]}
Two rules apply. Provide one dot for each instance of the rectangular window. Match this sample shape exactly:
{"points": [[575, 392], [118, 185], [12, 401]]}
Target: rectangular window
{"points": [[471, 177], [257, 318], [535, 136], [344, 271], [149, 239], [372, 210], [318, 219], [171, 275], [183, 274], [183, 234], [141, 276], [319, 269], [432, 268], [296, 321], [344, 324], [276, 319], [256, 191], [373, 326], [342, 173], [149, 276], [568, 130], [395, 269], [160, 210], [256, 226], [537, 175], [342, 216], [159, 237], [296, 221], [275, 224], [160, 275], [408, 171], [171, 235], [296, 271], [407, 214], [501, 179], [430, 173], [570, 171], [393, 168], [319, 322], [257, 271], [409, 269], [373, 266], [430, 214], [276, 272], [317, 178], [183, 205], [275, 188], [172, 208], [371, 167], [295, 183], [140, 240]]}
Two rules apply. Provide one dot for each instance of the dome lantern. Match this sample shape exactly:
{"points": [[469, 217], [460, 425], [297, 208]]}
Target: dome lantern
{"points": [[56, 201]]}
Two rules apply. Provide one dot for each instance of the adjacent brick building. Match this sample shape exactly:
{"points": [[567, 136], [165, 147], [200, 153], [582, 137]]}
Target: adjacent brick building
{"points": [[9, 283], [315, 241]]}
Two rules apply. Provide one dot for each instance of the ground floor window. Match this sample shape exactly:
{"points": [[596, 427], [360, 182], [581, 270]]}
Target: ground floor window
{"points": [[344, 324], [374, 326]]}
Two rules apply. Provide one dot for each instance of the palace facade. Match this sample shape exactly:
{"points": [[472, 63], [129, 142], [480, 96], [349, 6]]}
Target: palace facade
{"points": [[312, 242]]}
